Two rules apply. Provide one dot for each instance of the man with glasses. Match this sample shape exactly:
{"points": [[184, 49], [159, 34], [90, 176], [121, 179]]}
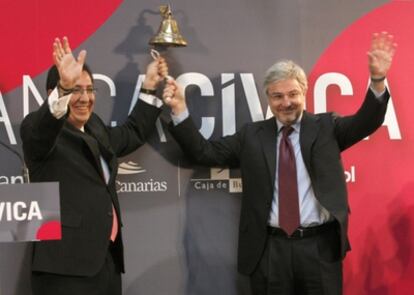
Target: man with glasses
{"points": [[65, 141], [294, 213]]}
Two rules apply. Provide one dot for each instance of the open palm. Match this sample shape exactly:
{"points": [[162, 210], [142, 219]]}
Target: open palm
{"points": [[69, 67], [380, 54]]}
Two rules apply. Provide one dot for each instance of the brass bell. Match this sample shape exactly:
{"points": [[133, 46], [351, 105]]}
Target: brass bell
{"points": [[168, 33]]}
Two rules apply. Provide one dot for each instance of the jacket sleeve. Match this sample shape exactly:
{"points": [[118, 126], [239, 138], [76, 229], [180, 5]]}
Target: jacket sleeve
{"points": [[370, 116], [39, 132], [134, 132], [222, 152]]}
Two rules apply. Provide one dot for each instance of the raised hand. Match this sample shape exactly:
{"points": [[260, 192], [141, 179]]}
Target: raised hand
{"points": [[380, 54], [156, 72], [69, 67]]}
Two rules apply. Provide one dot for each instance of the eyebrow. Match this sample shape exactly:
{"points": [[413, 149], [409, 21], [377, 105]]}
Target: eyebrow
{"points": [[290, 91], [80, 86]]}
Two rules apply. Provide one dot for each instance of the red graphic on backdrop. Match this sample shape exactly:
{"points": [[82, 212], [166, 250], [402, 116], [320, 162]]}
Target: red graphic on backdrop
{"points": [[35, 24], [381, 197], [50, 230]]}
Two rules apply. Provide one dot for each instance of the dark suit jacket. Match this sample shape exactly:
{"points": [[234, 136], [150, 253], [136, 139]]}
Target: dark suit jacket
{"points": [[253, 149], [56, 151]]}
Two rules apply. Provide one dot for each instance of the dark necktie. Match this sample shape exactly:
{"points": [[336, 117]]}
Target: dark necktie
{"points": [[289, 219], [99, 152]]}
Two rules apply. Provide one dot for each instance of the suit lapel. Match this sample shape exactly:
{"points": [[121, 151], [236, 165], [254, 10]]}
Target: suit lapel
{"points": [[89, 141], [95, 129], [268, 135], [309, 129], [102, 145]]}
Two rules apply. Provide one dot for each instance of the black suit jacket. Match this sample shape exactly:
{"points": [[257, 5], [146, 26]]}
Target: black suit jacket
{"points": [[253, 149], [56, 151]]}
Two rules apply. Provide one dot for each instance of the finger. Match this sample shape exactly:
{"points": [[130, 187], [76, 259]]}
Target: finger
{"points": [[393, 49], [388, 42], [81, 57], [163, 71], [390, 39], [383, 39], [66, 46], [163, 68], [170, 83], [175, 84], [57, 47], [374, 41], [390, 46], [170, 89], [168, 94], [56, 54], [56, 59], [378, 40], [371, 57], [383, 36], [162, 64], [152, 66]]}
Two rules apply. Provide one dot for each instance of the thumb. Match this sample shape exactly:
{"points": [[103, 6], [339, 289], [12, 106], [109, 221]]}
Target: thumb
{"points": [[82, 57]]}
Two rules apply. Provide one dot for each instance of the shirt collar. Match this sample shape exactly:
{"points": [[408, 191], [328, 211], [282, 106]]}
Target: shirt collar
{"points": [[296, 126]]}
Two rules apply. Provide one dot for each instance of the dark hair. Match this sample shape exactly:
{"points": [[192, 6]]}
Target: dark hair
{"points": [[53, 76]]}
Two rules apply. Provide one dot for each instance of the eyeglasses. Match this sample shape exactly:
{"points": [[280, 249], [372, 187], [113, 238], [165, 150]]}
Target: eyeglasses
{"points": [[279, 96], [78, 91]]}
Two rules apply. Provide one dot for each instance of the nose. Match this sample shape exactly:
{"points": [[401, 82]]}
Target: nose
{"points": [[286, 102], [84, 96]]}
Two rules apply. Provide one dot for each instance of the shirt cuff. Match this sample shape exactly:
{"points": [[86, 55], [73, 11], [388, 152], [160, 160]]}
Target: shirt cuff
{"points": [[177, 119], [151, 99], [58, 106], [377, 94]]}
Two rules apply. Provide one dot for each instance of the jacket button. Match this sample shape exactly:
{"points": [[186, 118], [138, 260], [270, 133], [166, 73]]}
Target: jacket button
{"points": [[110, 213]]}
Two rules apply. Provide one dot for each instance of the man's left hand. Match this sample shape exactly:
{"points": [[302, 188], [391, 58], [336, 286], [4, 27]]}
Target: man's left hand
{"points": [[380, 54]]}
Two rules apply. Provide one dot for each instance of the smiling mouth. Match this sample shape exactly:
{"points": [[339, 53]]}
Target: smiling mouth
{"points": [[287, 112], [81, 108]]}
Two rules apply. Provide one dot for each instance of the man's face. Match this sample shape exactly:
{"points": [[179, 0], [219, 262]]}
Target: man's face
{"points": [[82, 101], [286, 100]]}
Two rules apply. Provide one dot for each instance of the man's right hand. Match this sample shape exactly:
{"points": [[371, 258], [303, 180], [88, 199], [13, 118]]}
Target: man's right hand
{"points": [[157, 70], [173, 96], [69, 68]]}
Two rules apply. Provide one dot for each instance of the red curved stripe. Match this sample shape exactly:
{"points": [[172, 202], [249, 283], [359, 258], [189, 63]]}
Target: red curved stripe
{"points": [[29, 27]]}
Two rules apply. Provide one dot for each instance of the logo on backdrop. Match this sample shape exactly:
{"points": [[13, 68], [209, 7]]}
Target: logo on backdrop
{"points": [[11, 179], [29, 212], [130, 168], [19, 211], [133, 178], [219, 179]]}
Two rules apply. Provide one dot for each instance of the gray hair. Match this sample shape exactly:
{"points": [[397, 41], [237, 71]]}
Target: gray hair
{"points": [[283, 70]]}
